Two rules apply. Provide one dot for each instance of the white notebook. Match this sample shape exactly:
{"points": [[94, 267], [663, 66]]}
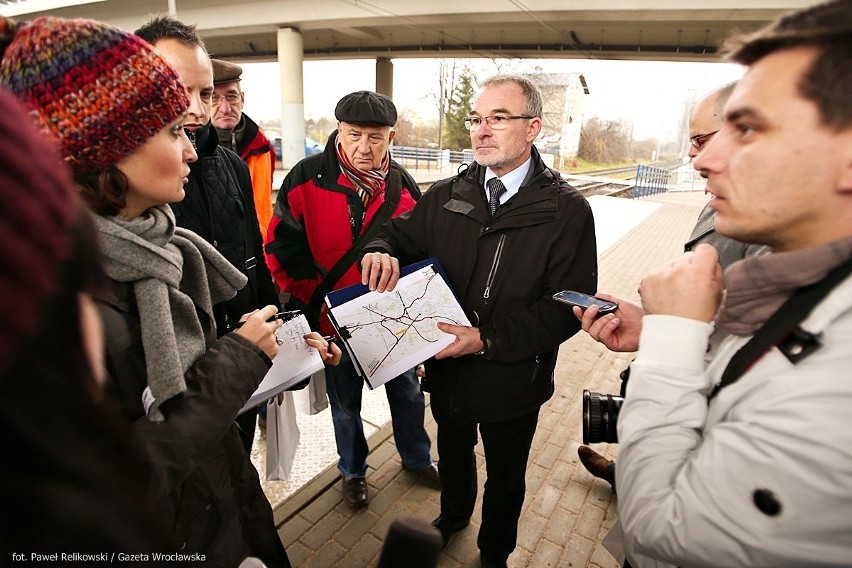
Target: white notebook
{"points": [[296, 360]]}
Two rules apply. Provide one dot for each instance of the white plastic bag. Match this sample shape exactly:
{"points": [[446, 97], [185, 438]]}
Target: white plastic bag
{"points": [[317, 393], [282, 436]]}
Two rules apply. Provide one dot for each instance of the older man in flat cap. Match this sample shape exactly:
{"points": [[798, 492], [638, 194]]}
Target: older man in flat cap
{"points": [[329, 205], [239, 133]]}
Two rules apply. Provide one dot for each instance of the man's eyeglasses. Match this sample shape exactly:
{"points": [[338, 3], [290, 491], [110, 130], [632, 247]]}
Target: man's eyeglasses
{"points": [[232, 98], [699, 140], [496, 122]]}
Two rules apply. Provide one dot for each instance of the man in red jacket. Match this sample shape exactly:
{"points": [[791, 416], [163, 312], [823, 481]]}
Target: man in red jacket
{"points": [[329, 205], [239, 133]]}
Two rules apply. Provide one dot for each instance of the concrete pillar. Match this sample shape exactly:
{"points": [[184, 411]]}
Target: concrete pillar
{"points": [[384, 76], [290, 50]]}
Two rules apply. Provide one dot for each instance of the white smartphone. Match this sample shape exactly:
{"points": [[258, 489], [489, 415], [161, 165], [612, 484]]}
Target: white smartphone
{"points": [[584, 301]]}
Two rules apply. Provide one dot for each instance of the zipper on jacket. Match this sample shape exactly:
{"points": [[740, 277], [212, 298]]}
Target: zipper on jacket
{"points": [[494, 263], [352, 222], [535, 368]]}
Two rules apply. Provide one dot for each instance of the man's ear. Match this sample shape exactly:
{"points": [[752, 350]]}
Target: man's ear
{"points": [[534, 128], [845, 182], [391, 135]]}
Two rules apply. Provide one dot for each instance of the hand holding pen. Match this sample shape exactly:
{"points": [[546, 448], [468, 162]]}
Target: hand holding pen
{"points": [[259, 328], [328, 350], [283, 316]]}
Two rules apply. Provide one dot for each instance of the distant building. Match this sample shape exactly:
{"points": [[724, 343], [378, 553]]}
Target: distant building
{"points": [[564, 96]]}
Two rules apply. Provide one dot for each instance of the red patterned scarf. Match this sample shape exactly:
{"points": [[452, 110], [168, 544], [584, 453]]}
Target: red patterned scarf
{"points": [[366, 183]]}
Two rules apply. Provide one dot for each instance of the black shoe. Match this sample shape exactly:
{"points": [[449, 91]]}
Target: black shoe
{"points": [[355, 492], [489, 561], [429, 475], [448, 527], [597, 465]]}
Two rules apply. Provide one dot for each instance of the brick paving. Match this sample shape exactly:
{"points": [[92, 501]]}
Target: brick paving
{"points": [[566, 513]]}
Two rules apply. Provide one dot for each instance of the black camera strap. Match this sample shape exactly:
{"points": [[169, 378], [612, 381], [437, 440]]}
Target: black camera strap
{"points": [[782, 329]]}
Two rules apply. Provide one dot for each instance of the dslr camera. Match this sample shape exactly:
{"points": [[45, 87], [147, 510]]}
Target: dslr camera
{"points": [[600, 413]]}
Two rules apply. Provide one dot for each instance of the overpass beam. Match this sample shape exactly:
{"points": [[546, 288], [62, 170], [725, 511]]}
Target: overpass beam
{"points": [[290, 49], [384, 76]]}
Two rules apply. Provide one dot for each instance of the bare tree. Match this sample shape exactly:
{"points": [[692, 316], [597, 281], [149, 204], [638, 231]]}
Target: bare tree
{"points": [[683, 126], [446, 80], [320, 129], [406, 134], [604, 141]]}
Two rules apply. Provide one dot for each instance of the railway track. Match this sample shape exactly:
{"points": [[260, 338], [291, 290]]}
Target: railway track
{"points": [[608, 172], [592, 187]]}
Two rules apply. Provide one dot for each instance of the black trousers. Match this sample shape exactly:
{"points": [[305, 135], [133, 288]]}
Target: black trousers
{"points": [[507, 448]]}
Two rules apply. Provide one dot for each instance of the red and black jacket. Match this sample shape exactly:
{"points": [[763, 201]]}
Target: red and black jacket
{"points": [[318, 216]]}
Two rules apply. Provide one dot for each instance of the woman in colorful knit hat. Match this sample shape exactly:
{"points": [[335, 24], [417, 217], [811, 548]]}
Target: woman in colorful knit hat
{"points": [[116, 110]]}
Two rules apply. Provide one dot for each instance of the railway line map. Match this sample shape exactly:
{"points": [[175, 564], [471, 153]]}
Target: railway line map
{"points": [[391, 332]]}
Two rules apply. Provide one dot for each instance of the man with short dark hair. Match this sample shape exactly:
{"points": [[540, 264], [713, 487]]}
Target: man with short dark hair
{"points": [[328, 206], [219, 202], [240, 134], [744, 460], [510, 233]]}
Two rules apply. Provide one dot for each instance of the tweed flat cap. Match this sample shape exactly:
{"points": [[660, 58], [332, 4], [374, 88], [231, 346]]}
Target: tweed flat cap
{"points": [[366, 107], [225, 71]]}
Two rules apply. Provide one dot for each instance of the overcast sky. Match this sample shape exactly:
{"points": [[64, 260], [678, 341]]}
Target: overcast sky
{"points": [[650, 94]]}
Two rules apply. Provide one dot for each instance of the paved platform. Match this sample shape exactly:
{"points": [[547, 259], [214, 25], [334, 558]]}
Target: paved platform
{"points": [[567, 511]]}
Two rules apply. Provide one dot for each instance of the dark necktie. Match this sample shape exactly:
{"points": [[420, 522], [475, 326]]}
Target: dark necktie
{"points": [[495, 190]]}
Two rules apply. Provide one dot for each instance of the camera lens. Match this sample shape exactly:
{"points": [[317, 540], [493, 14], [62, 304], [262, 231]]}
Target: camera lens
{"points": [[600, 416]]}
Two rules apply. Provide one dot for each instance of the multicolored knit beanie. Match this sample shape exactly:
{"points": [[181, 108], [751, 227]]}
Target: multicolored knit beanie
{"points": [[101, 92]]}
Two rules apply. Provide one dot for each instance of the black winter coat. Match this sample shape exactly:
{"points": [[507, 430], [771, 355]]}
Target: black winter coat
{"points": [[220, 209], [203, 482], [505, 270]]}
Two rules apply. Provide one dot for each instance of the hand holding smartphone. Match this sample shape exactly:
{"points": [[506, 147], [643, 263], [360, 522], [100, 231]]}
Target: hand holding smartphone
{"points": [[584, 301]]}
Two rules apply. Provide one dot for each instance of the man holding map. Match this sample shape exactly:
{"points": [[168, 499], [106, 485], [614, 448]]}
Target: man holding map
{"points": [[509, 233], [329, 206]]}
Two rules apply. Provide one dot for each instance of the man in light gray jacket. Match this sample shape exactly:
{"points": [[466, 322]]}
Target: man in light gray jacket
{"points": [[705, 121], [711, 468]]}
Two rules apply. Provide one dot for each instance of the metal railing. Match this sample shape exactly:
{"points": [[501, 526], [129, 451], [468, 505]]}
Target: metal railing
{"points": [[650, 181], [429, 158]]}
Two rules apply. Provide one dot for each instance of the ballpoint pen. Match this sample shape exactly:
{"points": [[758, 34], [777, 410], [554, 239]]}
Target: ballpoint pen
{"points": [[283, 316], [329, 339]]}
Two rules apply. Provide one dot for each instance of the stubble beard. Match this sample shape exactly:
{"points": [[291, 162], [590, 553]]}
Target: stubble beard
{"points": [[498, 162]]}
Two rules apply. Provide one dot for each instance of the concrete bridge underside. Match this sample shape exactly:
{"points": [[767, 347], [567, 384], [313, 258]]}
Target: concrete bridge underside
{"points": [[291, 31]]}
